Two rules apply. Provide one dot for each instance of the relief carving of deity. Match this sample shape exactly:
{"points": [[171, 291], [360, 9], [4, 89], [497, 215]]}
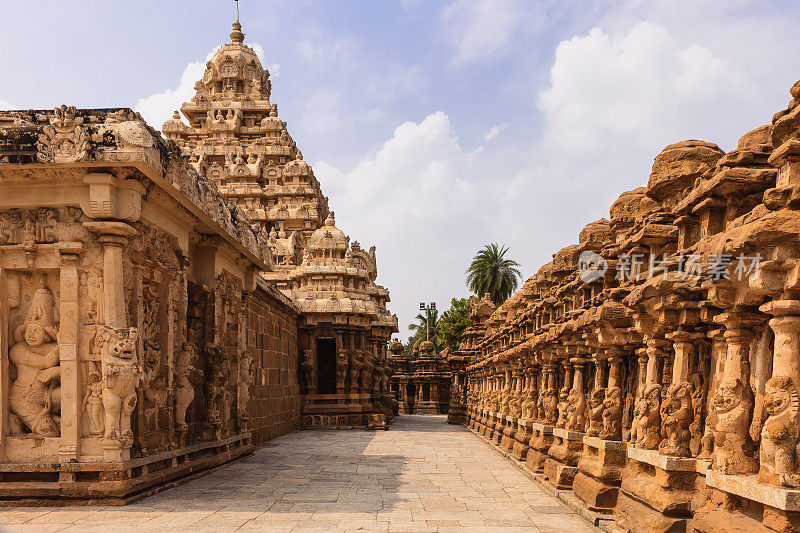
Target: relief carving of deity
{"points": [[35, 395]]}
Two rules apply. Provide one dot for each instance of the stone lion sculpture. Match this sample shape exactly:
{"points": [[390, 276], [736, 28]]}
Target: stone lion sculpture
{"points": [[733, 447], [780, 435], [121, 376], [677, 415], [576, 410], [596, 408], [612, 414], [648, 419]]}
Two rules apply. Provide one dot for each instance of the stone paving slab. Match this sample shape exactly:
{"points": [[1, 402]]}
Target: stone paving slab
{"points": [[421, 475]]}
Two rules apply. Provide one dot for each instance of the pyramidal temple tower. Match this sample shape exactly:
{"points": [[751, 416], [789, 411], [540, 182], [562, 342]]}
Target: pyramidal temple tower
{"points": [[234, 136]]}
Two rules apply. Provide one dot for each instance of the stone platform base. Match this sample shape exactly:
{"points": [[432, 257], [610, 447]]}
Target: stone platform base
{"points": [[116, 483], [634, 516], [520, 451], [558, 474], [534, 461], [597, 496]]}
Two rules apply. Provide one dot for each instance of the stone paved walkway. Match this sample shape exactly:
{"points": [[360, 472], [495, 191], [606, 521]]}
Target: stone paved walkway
{"points": [[421, 475]]}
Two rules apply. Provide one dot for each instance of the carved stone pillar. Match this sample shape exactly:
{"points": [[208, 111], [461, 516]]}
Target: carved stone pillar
{"points": [[71, 386], [114, 236]]}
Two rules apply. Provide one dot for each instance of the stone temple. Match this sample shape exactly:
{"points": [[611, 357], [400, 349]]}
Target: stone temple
{"points": [[169, 303]]}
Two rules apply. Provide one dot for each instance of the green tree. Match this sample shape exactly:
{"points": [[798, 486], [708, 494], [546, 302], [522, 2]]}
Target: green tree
{"points": [[453, 323], [432, 322], [490, 272]]}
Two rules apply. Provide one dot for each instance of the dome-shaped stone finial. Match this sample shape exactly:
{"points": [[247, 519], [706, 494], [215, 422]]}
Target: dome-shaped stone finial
{"points": [[331, 220], [236, 35]]}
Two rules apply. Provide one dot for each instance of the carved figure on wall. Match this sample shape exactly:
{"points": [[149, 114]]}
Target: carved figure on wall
{"points": [[92, 283], [780, 435], [676, 416], [246, 376], [612, 414], [121, 376], [596, 409], [215, 385], [648, 419], [35, 395], [733, 447], [93, 400], [307, 366], [187, 376], [699, 393]]}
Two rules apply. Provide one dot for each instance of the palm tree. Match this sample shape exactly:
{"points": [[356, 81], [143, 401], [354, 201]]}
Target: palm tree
{"points": [[419, 327], [490, 272]]}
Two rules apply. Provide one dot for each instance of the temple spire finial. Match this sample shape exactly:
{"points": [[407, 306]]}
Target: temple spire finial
{"points": [[236, 35]]}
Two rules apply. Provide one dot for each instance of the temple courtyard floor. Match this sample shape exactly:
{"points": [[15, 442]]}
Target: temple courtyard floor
{"points": [[421, 475]]}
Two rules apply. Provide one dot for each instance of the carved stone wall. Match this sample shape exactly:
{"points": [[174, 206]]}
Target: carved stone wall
{"points": [[665, 346], [137, 342]]}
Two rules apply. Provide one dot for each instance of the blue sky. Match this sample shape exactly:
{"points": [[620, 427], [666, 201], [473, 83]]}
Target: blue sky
{"points": [[437, 127]]}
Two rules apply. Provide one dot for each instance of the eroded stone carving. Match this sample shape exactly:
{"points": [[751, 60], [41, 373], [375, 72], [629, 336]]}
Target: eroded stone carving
{"points": [[733, 449], [35, 394], [677, 415], [121, 376], [780, 435]]}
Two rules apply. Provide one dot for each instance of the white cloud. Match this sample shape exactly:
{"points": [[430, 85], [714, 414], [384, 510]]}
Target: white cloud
{"points": [[478, 29], [157, 108], [274, 70], [5, 106], [415, 199], [328, 51], [642, 85], [321, 113], [494, 131]]}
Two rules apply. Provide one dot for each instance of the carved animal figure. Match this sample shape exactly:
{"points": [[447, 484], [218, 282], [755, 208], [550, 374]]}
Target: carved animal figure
{"points": [[596, 408], [563, 405], [552, 413], [356, 363], [677, 415], [780, 436], [733, 447], [576, 410], [341, 369], [648, 420], [612, 414], [529, 405], [121, 376]]}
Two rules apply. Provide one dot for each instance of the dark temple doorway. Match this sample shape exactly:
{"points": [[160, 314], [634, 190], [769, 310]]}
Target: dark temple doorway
{"points": [[326, 366]]}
